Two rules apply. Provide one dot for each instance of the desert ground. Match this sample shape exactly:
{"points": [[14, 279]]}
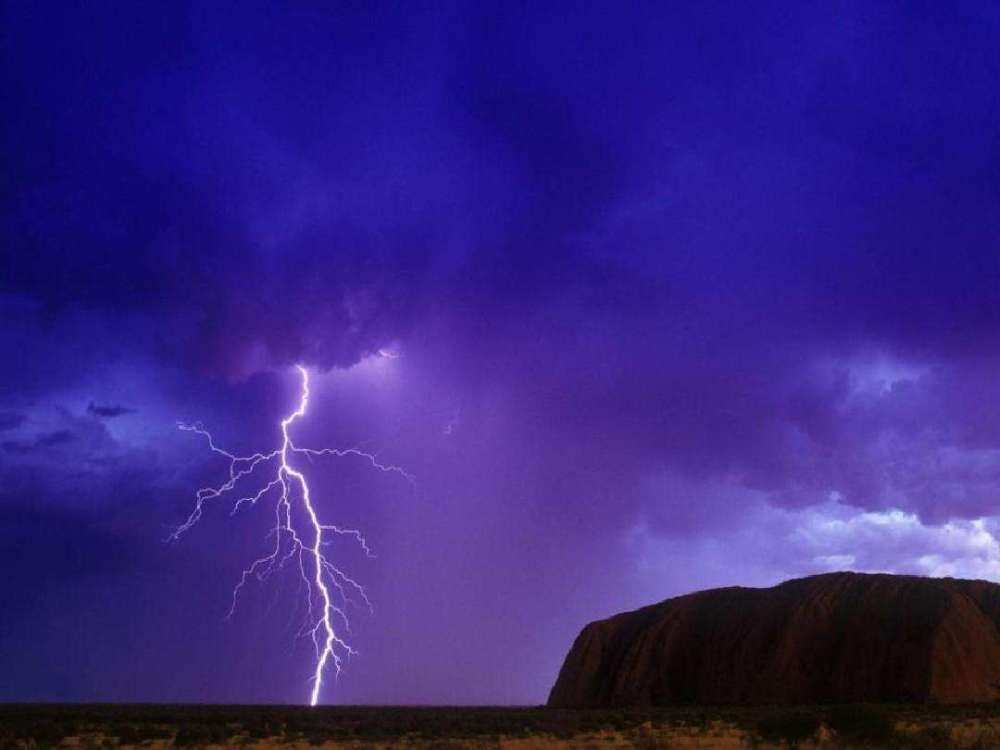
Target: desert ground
{"points": [[165, 726]]}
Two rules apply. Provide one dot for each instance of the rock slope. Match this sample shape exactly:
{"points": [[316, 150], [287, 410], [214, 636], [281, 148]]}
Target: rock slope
{"points": [[835, 638]]}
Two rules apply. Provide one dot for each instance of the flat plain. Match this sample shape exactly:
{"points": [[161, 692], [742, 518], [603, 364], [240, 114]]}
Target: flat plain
{"points": [[511, 728]]}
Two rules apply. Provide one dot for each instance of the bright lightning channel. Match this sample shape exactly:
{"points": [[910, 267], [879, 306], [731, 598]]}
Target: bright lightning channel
{"points": [[329, 591]]}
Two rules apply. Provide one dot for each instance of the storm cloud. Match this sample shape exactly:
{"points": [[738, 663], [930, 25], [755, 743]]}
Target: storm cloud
{"points": [[108, 411]]}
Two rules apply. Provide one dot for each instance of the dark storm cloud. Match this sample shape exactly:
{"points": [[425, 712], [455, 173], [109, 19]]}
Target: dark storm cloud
{"points": [[325, 233], [263, 244], [47, 440], [109, 411], [11, 420]]}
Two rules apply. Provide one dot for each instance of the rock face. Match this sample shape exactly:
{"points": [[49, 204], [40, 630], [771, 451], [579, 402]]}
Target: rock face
{"points": [[836, 638]]}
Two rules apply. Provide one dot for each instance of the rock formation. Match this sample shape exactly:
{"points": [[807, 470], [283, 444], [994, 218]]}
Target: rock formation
{"points": [[835, 638]]}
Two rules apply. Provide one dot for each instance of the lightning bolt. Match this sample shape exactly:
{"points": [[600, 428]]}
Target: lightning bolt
{"points": [[300, 537]]}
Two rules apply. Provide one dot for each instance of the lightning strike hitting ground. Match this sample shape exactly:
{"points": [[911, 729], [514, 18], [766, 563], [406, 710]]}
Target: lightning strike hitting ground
{"points": [[299, 537]]}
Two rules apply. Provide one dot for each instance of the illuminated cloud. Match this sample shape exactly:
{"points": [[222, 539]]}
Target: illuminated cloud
{"points": [[894, 541], [774, 544]]}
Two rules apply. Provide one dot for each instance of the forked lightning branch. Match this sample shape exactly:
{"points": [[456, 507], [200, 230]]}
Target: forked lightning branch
{"points": [[301, 535]]}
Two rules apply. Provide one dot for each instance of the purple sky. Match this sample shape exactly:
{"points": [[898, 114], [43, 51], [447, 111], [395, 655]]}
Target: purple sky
{"points": [[682, 297]]}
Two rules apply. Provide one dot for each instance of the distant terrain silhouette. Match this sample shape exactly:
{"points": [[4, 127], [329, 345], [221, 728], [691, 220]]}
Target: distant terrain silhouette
{"points": [[834, 638]]}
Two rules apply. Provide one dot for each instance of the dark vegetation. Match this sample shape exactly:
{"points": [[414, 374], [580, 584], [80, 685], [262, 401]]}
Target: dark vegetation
{"points": [[30, 726], [862, 724], [790, 726]]}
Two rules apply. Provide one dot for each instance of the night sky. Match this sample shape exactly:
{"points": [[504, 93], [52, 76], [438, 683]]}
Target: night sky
{"points": [[649, 298]]}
